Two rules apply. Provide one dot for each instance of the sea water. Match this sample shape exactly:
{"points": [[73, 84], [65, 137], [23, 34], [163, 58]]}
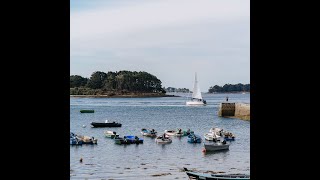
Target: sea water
{"points": [[107, 160]]}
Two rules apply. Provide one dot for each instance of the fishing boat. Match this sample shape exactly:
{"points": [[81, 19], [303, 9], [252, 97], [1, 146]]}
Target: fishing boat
{"points": [[210, 176], [148, 132], [193, 138], [106, 124], [87, 111], [111, 134], [174, 132], [216, 145], [163, 139], [196, 98]]}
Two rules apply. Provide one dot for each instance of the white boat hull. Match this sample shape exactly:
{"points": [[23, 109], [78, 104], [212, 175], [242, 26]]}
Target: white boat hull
{"points": [[148, 134], [173, 133], [194, 103]]}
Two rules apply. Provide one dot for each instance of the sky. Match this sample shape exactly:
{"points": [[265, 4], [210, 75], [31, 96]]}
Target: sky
{"points": [[171, 39]]}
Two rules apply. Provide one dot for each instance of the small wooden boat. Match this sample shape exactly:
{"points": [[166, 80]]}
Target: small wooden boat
{"points": [[88, 140], [193, 138], [106, 124], [216, 146], [111, 134], [209, 176], [87, 111], [163, 139], [148, 132], [174, 132]]}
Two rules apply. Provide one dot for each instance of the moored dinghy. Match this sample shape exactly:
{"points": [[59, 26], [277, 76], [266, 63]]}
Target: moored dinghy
{"points": [[228, 136], [128, 140], [148, 132], [88, 140], [74, 140], [111, 134], [134, 139], [193, 138], [163, 139], [174, 132], [209, 176]]}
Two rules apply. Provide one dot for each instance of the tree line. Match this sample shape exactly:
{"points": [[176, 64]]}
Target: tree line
{"points": [[230, 88], [115, 82]]}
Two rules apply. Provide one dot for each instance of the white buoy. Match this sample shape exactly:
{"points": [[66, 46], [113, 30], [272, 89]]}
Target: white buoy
{"points": [[83, 126]]}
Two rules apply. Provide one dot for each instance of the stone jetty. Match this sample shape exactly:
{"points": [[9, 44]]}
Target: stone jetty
{"points": [[235, 110]]}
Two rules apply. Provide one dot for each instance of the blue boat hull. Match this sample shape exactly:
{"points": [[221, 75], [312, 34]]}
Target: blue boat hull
{"points": [[192, 138]]}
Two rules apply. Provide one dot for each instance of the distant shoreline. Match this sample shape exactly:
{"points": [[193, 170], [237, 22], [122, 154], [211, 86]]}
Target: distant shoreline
{"points": [[124, 96]]}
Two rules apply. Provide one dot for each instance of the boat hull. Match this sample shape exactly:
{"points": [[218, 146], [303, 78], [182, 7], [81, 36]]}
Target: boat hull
{"points": [[198, 176], [148, 133], [216, 146], [87, 111], [97, 124], [173, 133], [195, 103], [194, 139], [159, 140]]}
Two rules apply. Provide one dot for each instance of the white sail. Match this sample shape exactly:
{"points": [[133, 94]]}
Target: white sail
{"points": [[196, 89]]}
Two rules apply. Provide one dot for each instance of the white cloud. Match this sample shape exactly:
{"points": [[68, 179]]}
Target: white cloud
{"points": [[162, 37]]}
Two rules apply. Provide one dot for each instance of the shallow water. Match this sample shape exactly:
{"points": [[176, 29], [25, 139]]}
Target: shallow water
{"points": [[108, 160]]}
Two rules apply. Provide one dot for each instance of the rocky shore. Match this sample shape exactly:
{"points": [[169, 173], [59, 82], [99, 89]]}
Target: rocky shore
{"points": [[140, 95]]}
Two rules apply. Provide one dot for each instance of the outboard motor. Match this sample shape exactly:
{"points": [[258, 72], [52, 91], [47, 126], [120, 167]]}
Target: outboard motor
{"points": [[204, 102]]}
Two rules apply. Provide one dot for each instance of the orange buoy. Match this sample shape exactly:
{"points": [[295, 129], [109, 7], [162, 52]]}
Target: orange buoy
{"points": [[204, 150]]}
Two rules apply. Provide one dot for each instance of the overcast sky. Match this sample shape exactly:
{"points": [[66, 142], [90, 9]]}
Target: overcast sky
{"points": [[171, 39]]}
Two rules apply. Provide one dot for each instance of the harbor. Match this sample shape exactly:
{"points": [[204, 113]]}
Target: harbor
{"points": [[107, 160]]}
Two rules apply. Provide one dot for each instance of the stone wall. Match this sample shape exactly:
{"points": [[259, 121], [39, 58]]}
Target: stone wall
{"points": [[236, 110]]}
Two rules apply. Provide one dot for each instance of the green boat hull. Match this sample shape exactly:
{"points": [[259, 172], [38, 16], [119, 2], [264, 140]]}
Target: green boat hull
{"points": [[87, 111]]}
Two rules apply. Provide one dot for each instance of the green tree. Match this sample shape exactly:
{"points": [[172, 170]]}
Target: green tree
{"points": [[97, 80], [77, 81]]}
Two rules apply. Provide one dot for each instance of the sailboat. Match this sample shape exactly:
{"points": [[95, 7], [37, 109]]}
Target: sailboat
{"points": [[196, 98]]}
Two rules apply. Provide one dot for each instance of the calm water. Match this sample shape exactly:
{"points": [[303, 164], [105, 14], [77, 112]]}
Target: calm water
{"points": [[107, 160]]}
